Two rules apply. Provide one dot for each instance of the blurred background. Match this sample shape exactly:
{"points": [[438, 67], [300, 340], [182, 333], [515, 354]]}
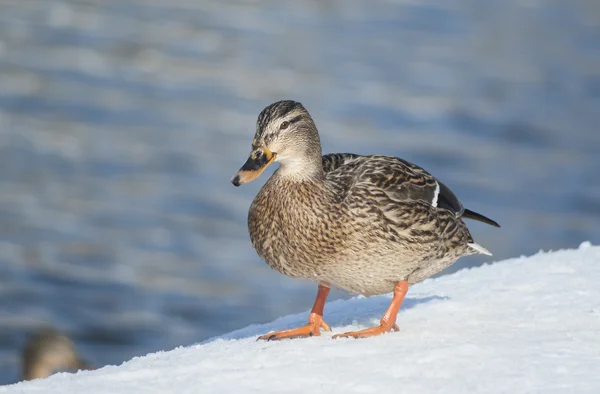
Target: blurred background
{"points": [[122, 122]]}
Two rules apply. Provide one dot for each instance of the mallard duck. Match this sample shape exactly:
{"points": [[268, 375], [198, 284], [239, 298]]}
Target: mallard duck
{"points": [[367, 224], [49, 351]]}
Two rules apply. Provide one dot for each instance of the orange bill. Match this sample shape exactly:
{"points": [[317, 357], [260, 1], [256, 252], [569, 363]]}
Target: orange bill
{"points": [[259, 159]]}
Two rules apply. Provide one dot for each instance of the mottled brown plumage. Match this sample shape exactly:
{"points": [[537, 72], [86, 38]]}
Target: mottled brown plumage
{"points": [[360, 223]]}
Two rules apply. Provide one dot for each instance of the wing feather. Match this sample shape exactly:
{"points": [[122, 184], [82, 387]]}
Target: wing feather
{"points": [[399, 179]]}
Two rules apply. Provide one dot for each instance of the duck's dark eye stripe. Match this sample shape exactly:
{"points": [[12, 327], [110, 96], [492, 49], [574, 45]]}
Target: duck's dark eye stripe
{"points": [[287, 123], [294, 120]]}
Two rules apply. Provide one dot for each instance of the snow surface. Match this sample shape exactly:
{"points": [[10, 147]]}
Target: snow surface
{"points": [[524, 325]]}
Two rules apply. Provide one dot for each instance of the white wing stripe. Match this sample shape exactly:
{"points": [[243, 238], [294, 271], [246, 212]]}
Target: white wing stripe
{"points": [[436, 193]]}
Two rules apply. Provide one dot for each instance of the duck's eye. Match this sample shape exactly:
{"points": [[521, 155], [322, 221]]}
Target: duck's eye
{"points": [[284, 125]]}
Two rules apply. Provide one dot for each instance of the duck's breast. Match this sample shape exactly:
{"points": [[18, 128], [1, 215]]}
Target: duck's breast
{"points": [[294, 229]]}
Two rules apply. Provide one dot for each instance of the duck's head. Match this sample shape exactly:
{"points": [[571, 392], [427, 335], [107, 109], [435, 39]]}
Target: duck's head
{"points": [[286, 133], [47, 352]]}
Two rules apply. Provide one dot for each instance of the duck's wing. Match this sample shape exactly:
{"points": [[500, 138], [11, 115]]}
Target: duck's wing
{"points": [[333, 161], [398, 179]]}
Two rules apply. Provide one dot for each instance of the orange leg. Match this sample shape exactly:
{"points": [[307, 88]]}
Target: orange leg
{"points": [[388, 321], [315, 321]]}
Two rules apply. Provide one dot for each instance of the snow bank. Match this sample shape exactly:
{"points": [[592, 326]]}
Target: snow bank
{"points": [[525, 325]]}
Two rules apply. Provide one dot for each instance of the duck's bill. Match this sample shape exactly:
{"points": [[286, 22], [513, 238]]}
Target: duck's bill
{"points": [[257, 162]]}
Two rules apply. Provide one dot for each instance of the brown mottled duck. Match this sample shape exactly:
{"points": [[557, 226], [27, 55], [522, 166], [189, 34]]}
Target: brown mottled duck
{"points": [[366, 224], [48, 352]]}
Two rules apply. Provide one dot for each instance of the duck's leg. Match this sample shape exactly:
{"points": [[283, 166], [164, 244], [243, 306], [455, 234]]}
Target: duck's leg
{"points": [[315, 321], [388, 321]]}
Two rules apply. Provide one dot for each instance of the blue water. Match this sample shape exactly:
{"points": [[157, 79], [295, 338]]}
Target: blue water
{"points": [[121, 124]]}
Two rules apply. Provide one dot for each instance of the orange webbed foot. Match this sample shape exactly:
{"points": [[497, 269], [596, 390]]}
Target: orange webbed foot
{"points": [[313, 328], [388, 321], [368, 332]]}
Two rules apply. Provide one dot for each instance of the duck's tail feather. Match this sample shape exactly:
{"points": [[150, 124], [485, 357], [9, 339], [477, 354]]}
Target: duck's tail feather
{"points": [[480, 249], [468, 214]]}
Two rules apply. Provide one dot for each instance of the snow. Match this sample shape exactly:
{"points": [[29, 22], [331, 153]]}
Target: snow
{"points": [[524, 325]]}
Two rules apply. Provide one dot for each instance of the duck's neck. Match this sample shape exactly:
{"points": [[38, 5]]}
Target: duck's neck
{"points": [[302, 168]]}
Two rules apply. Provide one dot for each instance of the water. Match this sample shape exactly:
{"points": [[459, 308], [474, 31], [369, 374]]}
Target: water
{"points": [[121, 124]]}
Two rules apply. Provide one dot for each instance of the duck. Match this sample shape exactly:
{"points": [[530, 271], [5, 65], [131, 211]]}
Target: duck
{"points": [[49, 351], [367, 224]]}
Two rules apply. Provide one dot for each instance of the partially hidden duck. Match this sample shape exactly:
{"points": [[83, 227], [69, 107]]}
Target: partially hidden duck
{"points": [[49, 351]]}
